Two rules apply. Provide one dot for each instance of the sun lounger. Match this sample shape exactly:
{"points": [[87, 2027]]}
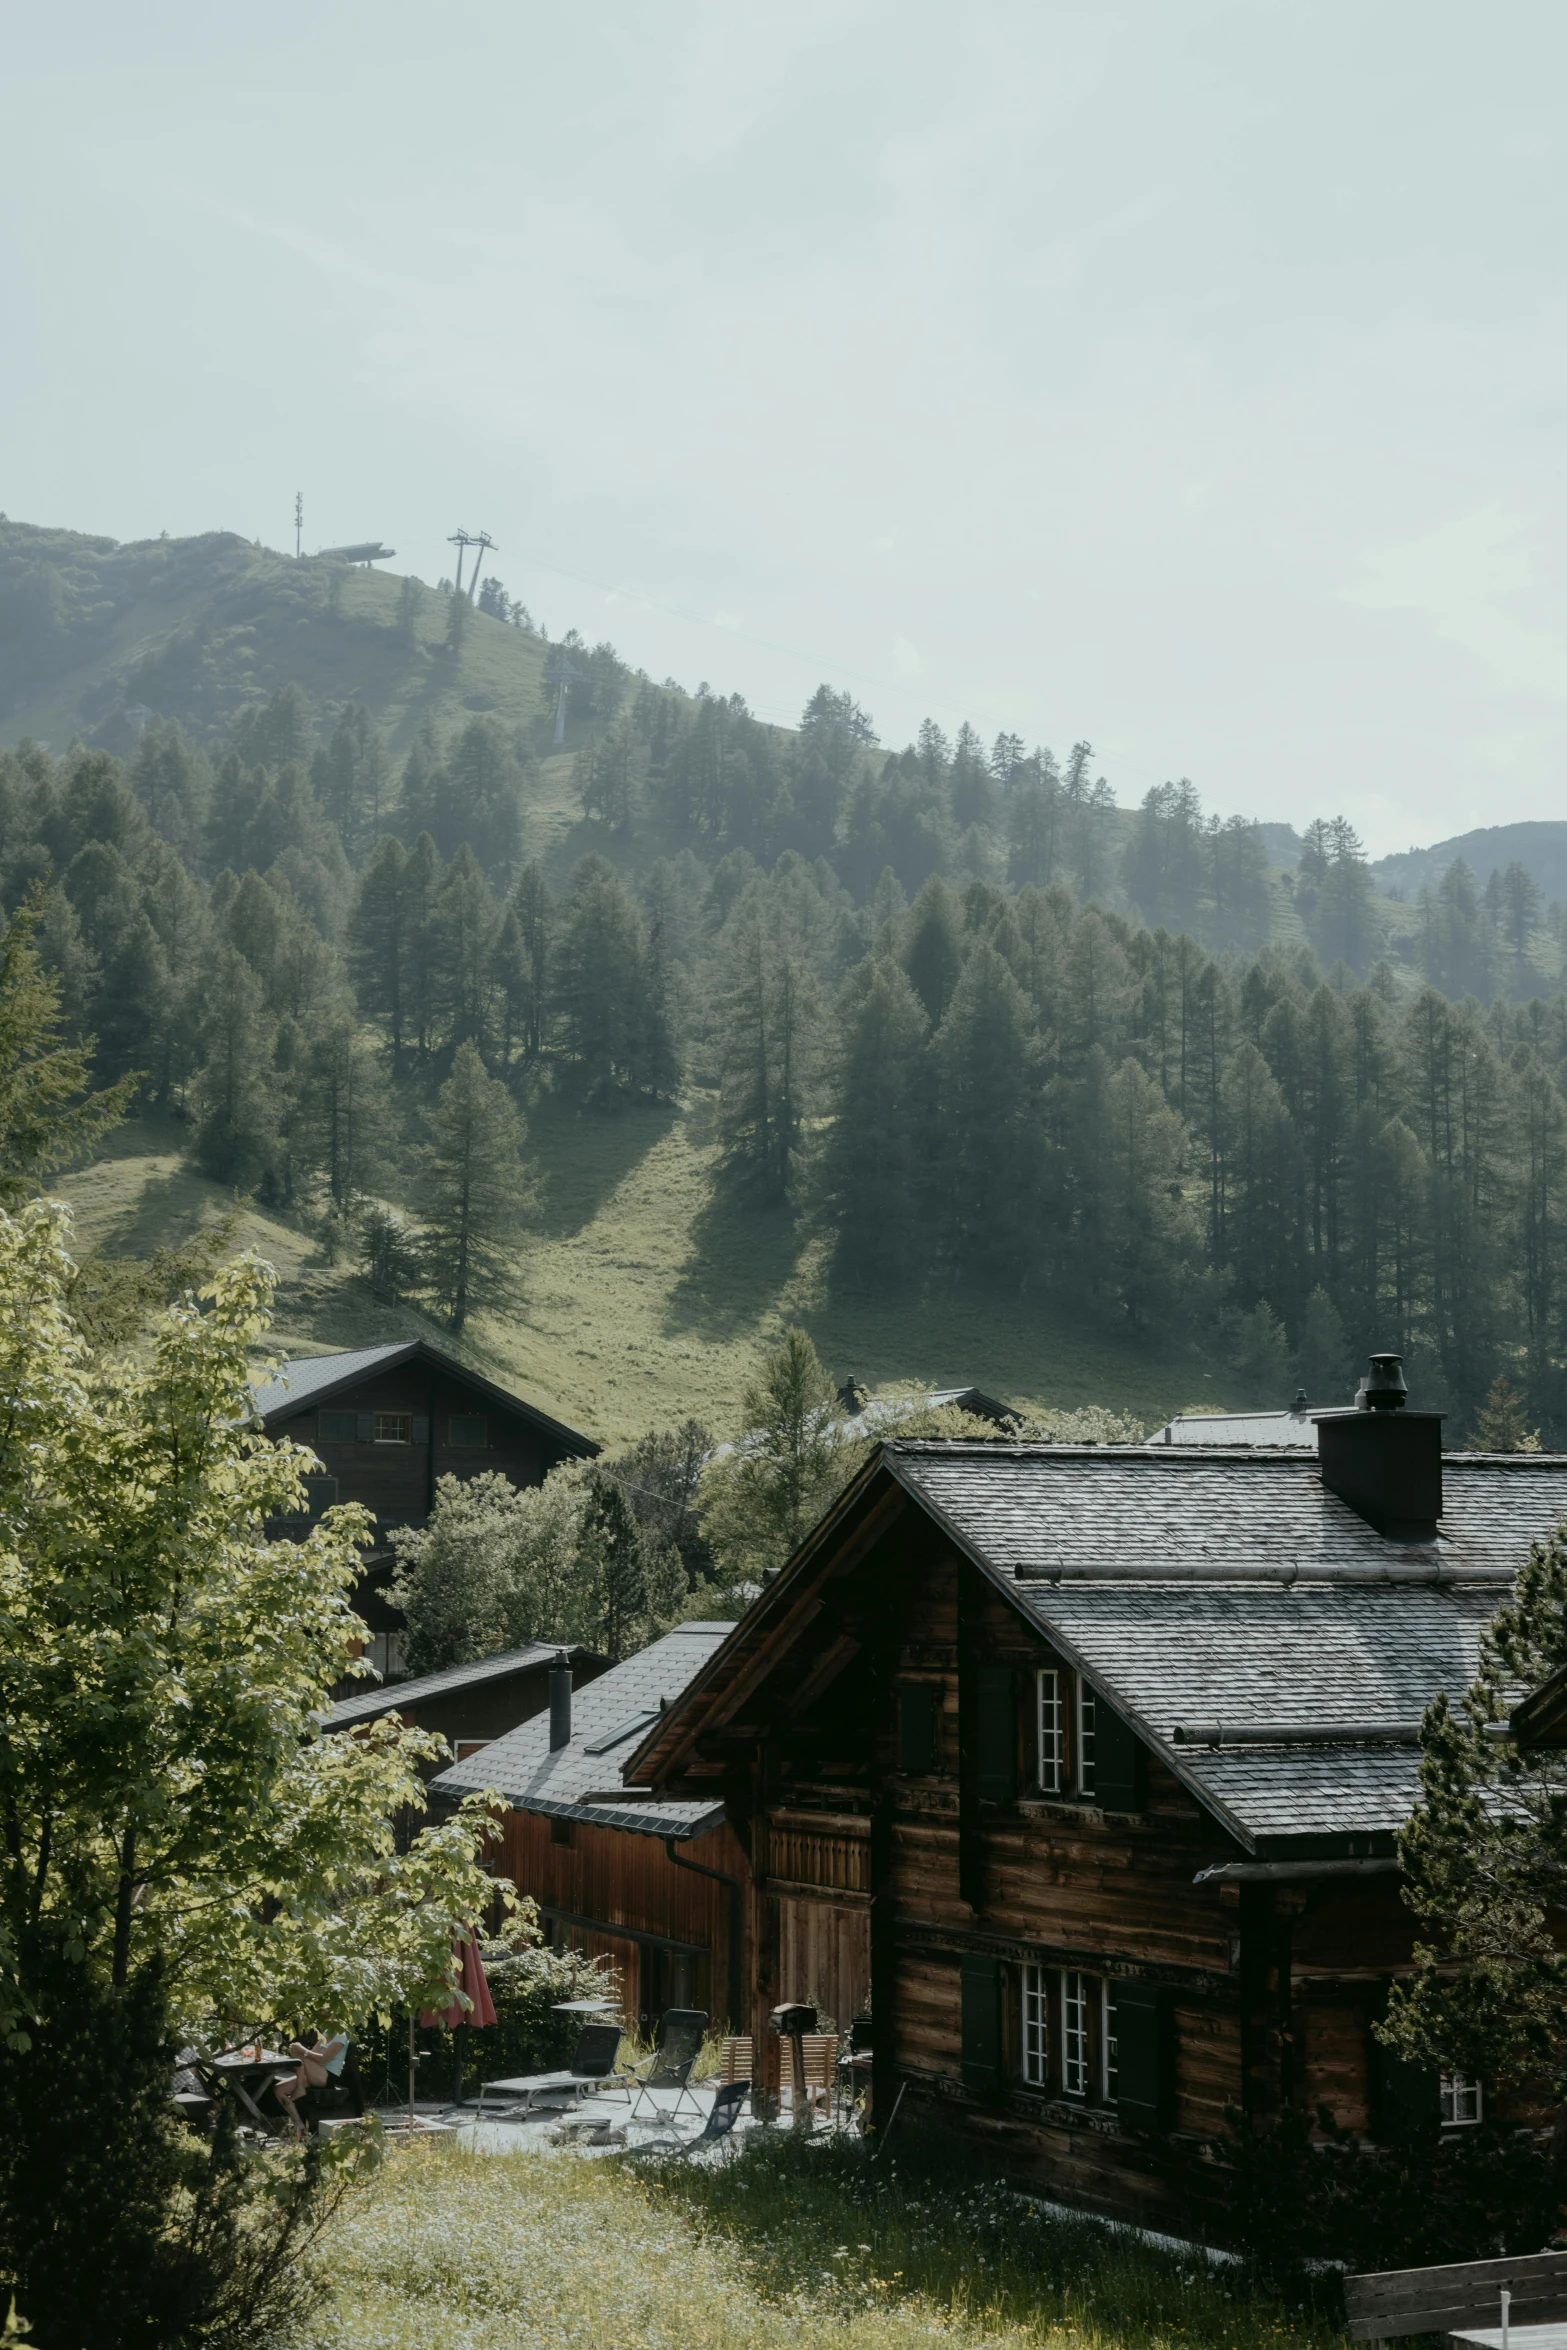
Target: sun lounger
{"points": [[592, 2066], [724, 2113]]}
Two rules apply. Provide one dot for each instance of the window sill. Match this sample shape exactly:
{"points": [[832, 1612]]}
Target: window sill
{"points": [[1071, 1807]]}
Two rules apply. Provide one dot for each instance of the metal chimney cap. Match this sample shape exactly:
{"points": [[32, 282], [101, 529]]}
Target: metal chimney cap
{"points": [[1384, 1387]]}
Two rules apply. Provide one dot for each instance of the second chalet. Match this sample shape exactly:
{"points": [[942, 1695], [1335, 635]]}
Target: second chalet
{"points": [[1088, 1765]]}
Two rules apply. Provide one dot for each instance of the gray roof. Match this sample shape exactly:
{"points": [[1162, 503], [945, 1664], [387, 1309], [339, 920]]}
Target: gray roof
{"points": [[609, 1715], [1296, 1431], [306, 1379], [386, 1698], [1203, 1587]]}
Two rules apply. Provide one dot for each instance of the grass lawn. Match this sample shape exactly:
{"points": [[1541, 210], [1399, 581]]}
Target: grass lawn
{"points": [[645, 1294], [790, 2244]]}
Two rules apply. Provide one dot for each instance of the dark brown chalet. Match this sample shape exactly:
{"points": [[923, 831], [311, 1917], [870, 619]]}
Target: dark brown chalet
{"points": [[659, 1888], [385, 1423], [1091, 1762]]}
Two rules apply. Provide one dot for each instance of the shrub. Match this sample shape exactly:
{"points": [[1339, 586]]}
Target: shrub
{"points": [[142, 2233], [1301, 2196], [526, 2037]]}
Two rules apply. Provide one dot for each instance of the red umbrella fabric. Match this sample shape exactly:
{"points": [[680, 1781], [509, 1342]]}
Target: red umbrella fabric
{"points": [[473, 1983]]}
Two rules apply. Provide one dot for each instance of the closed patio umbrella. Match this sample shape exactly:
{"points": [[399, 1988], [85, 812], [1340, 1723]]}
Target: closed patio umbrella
{"points": [[473, 1984]]}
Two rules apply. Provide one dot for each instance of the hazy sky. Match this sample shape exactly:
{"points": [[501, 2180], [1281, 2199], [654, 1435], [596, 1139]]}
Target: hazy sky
{"points": [[1184, 374]]}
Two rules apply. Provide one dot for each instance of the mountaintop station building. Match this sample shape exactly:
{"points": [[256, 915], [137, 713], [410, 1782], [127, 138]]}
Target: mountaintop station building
{"points": [[385, 1423], [1090, 1762]]}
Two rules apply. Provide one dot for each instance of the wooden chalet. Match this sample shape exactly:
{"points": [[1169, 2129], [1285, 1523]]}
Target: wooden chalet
{"points": [[469, 1705], [1090, 1763], [658, 1886], [385, 1422]]}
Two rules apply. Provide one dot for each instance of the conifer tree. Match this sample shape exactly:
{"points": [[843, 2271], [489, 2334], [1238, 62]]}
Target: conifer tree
{"points": [[876, 1156], [236, 1092], [762, 1496], [379, 944], [933, 948], [987, 1176], [43, 1125], [600, 965], [769, 1031], [473, 1192]]}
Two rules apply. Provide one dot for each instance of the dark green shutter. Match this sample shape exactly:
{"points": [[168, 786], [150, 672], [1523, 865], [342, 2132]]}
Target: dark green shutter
{"points": [[1407, 2098], [993, 1738], [366, 1427], [1144, 2055], [1120, 1759], [421, 1428], [982, 2026], [918, 1702]]}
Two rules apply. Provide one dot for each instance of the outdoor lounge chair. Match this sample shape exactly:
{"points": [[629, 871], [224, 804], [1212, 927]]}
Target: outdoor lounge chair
{"points": [[677, 2046], [592, 2066], [721, 2119]]}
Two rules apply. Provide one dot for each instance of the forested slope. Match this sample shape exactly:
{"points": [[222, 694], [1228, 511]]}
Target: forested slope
{"points": [[714, 1025]]}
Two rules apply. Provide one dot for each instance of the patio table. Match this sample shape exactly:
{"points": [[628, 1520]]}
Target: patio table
{"points": [[243, 2073]]}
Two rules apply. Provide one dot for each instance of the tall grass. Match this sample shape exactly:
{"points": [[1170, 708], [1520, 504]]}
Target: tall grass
{"points": [[789, 2243]]}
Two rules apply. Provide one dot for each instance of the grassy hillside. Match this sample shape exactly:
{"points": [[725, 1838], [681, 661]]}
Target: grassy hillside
{"points": [[644, 1299], [91, 633]]}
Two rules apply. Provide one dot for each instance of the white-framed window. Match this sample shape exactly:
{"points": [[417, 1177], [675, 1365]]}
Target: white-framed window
{"points": [[1108, 2074], [1050, 1722], [1074, 2033], [1085, 1738], [1463, 2101], [393, 1428], [1036, 2027]]}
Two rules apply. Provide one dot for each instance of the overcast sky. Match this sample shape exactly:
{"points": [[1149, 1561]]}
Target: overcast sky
{"points": [[1187, 375]]}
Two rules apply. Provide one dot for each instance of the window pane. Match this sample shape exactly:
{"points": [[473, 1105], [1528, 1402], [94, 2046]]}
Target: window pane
{"points": [[469, 1428], [1085, 1739], [338, 1427], [1036, 2030], [1107, 2044], [1051, 1727], [1462, 2101], [391, 1428], [1074, 2035]]}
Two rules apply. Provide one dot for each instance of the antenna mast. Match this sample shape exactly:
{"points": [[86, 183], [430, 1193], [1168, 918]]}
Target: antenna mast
{"points": [[299, 520]]}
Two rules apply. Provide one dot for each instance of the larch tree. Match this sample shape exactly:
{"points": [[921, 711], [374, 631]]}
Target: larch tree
{"points": [[762, 1494], [473, 1189], [47, 1114]]}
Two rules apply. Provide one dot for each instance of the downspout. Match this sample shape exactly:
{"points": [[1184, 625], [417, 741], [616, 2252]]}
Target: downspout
{"points": [[736, 1918]]}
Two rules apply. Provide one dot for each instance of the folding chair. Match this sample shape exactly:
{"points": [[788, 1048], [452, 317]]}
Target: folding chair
{"points": [[592, 2066], [724, 2113], [681, 2032]]}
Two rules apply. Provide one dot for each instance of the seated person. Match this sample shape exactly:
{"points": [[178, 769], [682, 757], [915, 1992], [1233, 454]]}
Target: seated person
{"points": [[319, 2061]]}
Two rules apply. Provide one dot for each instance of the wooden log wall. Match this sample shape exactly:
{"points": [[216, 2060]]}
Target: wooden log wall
{"points": [[1269, 1990]]}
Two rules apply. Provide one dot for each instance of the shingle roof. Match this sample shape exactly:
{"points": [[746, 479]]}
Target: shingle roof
{"points": [[628, 1698], [1155, 1512], [366, 1704], [306, 1379], [1203, 1587]]}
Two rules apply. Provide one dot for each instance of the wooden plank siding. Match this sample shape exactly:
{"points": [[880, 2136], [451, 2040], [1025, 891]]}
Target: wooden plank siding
{"points": [[397, 1481], [674, 1926]]}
